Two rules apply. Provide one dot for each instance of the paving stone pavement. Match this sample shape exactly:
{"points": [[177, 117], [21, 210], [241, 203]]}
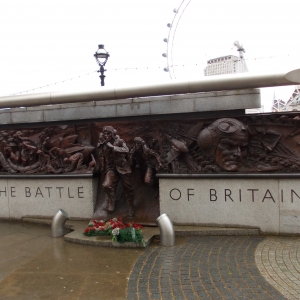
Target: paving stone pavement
{"points": [[33, 265], [202, 268], [278, 260]]}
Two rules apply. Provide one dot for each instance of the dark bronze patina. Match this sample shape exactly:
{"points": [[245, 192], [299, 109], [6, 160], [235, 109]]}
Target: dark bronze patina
{"points": [[113, 163]]}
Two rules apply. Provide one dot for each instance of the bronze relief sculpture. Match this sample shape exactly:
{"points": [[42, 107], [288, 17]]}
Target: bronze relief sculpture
{"points": [[127, 155], [226, 140], [53, 150], [141, 156], [113, 163], [267, 143]]}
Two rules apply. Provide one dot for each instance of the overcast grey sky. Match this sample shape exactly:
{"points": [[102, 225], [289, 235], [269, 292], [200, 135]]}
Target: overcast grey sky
{"points": [[44, 42]]}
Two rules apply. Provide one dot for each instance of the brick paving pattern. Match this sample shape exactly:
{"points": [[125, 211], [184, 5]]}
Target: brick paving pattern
{"points": [[201, 268], [278, 260]]}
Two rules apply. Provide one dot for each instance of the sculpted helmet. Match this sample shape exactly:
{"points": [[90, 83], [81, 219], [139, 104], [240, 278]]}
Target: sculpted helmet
{"points": [[139, 139], [110, 129], [208, 138]]}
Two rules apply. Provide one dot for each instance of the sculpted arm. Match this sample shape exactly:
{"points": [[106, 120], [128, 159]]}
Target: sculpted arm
{"points": [[121, 147], [11, 154], [157, 157], [51, 152]]}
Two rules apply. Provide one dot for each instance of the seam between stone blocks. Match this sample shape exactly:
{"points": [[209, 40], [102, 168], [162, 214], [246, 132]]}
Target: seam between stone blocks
{"points": [[279, 208], [8, 199]]}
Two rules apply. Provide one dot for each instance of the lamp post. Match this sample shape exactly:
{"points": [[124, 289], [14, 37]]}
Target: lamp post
{"points": [[101, 57]]}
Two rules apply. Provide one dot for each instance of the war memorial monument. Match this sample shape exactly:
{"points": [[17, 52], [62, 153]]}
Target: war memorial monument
{"points": [[186, 149]]}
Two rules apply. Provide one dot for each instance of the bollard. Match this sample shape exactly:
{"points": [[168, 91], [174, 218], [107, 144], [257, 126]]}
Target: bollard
{"points": [[167, 234], [58, 223]]}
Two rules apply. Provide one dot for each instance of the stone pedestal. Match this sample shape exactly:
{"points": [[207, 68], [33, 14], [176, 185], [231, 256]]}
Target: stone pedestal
{"points": [[271, 204], [43, 196]]}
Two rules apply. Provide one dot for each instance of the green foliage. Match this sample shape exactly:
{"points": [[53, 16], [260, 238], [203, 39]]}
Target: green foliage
{"points": [[130, 234], [93, 232]]}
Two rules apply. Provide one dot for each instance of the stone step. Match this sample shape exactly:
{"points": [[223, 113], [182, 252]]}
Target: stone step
{"points": [[150, 233], [184, 230]]}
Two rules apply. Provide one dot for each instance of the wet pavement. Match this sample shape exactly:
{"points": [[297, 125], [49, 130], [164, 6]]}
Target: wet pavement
{"points": [[201, 268], [33, 265]]}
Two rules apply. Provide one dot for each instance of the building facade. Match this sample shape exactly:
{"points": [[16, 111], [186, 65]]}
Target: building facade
{"points": [[229, 64]]}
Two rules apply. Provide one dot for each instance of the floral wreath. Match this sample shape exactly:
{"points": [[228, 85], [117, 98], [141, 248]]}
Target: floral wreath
{"points": [[120, 232]]}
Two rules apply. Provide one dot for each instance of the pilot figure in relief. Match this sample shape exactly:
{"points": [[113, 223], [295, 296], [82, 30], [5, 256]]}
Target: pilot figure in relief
{"points": [[226, 140], [112, 151]]}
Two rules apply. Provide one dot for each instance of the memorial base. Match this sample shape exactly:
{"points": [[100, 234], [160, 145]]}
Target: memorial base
{"points": [[43, 196], [270, 203]]}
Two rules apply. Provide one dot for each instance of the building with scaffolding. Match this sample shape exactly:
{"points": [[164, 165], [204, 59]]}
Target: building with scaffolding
{"points": [[278, 105], [229, 64], [294, 102]]}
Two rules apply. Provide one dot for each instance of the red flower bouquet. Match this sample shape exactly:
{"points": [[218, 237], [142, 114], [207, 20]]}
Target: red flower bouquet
{"points": [[120, 232]]}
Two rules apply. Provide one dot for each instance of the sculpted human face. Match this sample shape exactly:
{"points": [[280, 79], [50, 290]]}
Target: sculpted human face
{"points": [[230, 153], [138, 145], [107, 136]]}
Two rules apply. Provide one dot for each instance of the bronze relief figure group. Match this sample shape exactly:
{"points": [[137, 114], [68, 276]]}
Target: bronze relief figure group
{"points": [[169, 149], [115, 162], [52, 151], [258, 143]]}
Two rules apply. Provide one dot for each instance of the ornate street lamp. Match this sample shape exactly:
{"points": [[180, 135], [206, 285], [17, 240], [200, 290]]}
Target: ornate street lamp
{"points": [[101, 57]]}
